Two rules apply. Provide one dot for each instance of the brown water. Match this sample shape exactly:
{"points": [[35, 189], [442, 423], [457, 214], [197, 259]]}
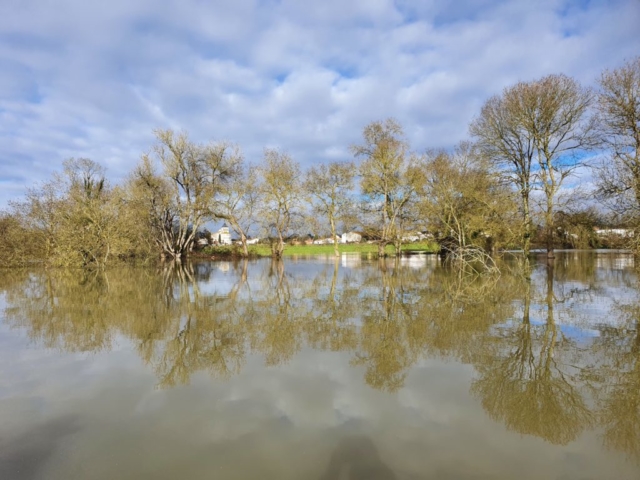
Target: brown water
{"points": [[315, 369]]}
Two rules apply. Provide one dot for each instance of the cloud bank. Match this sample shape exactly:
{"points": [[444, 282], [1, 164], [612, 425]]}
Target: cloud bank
{"points": [[86, 79]]}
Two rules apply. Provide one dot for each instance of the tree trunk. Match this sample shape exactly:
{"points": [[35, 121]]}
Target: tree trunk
{"points": [[398, 246], [550, 254], [336, 252], [278, 249], [526, 246], [245, 248]]}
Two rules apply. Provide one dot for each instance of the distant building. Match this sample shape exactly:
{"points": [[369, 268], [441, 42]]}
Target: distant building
{"points": [[323, 241], [351, 237], [619, 232], [222, 236]]}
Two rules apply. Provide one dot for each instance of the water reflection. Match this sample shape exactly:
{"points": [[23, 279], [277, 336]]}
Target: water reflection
{"points": [[554, 351], [528, 379], [357, 458]]}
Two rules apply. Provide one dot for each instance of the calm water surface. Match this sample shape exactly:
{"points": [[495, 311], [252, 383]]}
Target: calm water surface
{"points": [[322, 369]]}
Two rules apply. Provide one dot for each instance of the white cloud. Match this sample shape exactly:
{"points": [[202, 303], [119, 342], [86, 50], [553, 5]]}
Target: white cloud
{"points": [[92, 80]]}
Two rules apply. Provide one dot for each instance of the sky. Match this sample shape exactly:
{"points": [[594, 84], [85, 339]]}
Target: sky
{"points": [[93, 79]]}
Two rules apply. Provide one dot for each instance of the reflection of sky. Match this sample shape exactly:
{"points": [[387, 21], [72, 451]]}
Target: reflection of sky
{"points": [[112, 422]]}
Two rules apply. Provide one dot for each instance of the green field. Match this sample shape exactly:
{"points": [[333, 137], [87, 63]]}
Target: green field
{"points": [[290, 250]]}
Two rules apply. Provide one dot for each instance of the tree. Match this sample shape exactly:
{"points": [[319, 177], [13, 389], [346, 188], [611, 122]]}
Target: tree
{"points": [[75, 217], [238, 200], [619, 121], [18, 244], [576, 226], [536, 132], [281, 191], [465, 202], [330, 188], [178, 199], [562, 132], [389, 177]]}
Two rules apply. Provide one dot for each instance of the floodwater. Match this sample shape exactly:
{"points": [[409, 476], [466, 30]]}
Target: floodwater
{"points": [[321, 369]]}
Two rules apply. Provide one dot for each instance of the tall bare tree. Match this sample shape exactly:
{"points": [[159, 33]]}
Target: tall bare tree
{"points": [[536, 131], [281, 196], [389, 177], [179, 197], [619, 116], [330, 188], [562, 131], [500, 136]]}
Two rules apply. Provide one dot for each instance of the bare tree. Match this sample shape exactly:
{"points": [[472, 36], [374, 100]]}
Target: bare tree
{"points": [[501, 137], [330, 188], [281, 196], [619, 122], [557, 117], [389, 177], [536, 132], [238, 200], [179, 197]]}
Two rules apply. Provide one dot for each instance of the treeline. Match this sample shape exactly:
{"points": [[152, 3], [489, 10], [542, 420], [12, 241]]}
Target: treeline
{"points": [[504, 188]]}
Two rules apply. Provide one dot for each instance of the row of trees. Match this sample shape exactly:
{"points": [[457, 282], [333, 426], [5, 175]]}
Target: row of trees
{"points": [[492, 191]]}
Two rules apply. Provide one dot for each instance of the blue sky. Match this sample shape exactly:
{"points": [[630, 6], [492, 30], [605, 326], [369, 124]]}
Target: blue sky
{"points": [[93, 79]]}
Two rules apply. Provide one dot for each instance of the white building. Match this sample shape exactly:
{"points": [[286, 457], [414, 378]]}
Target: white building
{"points": [[618, 232], [351, 237], [323, 241], [222, 236]]}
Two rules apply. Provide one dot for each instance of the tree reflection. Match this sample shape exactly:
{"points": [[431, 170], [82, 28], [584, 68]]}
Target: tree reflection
{"points": [[618, 375], [525, 381], [383, 348]]}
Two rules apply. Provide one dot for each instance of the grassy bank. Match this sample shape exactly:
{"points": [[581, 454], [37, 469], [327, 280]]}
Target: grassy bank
{"points": [[290, 250]]}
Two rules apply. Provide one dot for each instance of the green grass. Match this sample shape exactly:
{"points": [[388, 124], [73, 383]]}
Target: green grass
{"points": [[363, 248]]}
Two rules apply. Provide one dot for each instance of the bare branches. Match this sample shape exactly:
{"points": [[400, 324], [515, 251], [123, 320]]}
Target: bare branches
{"points": [[537, 132], [330, 187], [619, 123], [389, 177]]}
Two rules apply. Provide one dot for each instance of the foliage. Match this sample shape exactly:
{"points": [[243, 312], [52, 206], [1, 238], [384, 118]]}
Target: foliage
{"points": [[18, 245], [390, 177], [177, 200], [76, 218], [330, 188], [465, 201], [281, 190]]}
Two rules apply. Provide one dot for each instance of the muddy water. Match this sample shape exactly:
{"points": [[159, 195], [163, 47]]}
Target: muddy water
{"points": [[322, 369]]}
